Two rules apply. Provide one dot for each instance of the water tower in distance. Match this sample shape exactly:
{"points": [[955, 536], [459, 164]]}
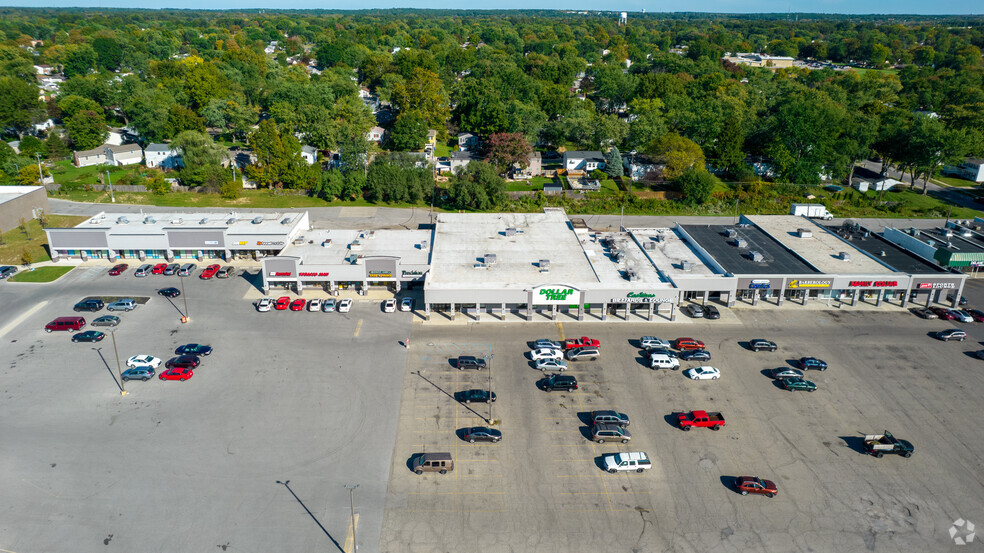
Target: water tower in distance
{"points": [[623, 18]]}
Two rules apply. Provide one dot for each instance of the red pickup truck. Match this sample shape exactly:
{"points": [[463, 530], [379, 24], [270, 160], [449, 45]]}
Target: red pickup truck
{"points": [[714, 421], [581, 342]]}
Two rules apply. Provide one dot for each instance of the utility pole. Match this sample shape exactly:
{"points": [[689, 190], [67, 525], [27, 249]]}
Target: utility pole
{"points": [[491, 358], [110, 179], [620, 219], [351, 489], [40, 174], [736, 211], [119, 371]]}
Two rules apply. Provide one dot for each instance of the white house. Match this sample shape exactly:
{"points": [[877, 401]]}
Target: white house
{"points": [[584, 161], [865, 179], [127, 154], [462, 159], [115, 137], [375, 134], [161, 156], [310, 154], [971, 169], [95, 156], [43, 127], [468, 141]]}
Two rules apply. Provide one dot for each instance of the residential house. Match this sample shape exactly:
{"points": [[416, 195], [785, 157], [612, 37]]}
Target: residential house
{"points": [[534, 167], [423, 160], [432, 138], [126, 154], [364, 92], [44, 69], [271, 48], [44, 127], [583, 161], [865, 179], [462, 159], [375, 134], [310, 154], [161, 156], [760, 60], [640, 168], [468, 141], [971, 169], [95, 156]]}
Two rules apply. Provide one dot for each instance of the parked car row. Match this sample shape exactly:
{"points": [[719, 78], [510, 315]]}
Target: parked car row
{"points": [[181, 367], [284, 303], [92, 305], [167, 269]]}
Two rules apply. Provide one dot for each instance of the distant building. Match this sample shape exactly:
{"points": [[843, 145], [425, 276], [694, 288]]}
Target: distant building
{"points": [[432, 138], [126, 154], [760, 60], [468, 141], [971, 169], [86, 158], [462, 159], [375, 134], [161, 156], [865, 179], [583, 161], [310, 154], [19, 203], [534, 167]]}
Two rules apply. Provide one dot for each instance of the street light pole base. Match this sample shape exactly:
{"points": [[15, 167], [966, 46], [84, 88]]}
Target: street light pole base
{"points": [[184, 320], [124, 392]]}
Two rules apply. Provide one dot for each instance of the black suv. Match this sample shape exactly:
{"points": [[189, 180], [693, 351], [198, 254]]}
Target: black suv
{"points": [[89, 305], [760, 344], [469, 362], [478, 396], [183, 362], [559, 382]]}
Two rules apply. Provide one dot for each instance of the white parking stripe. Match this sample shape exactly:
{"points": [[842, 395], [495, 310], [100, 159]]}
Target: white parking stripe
{"points": [[10, 326]]}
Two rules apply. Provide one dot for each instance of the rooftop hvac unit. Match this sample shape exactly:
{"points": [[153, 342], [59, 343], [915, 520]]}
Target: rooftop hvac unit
{"points": [[631, 275], [931, 243], [351, 258], [203, 221], [544, 264], [299, 240], [490, 259], [756, 256], [424, 244], [230, 221], [741, 242], [285, 221], [883, 254], [845, 256], [122, 221], [257, 220], [619, 256], [355, 245], [967, 233], [804, 233], [177, 221], [948, 233], [731, 233], [510, 231], [480, 266], [687, 265], [659, 237], [149, 220], [649, 245], [326, 243]]}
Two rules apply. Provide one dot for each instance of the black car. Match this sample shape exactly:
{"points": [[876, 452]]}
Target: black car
{"points": [[695, 355], [760, 344], [711, 312], [963, 300], [661, 351], [812, 363], [482, 434], [88, 336], [194, 349], [469, 362], [478, 396], [559, 382], [171, 292], [89, 305], [183, 361]]}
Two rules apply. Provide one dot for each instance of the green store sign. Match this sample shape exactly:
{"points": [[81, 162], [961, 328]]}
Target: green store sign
{"points": [[556, 294]]}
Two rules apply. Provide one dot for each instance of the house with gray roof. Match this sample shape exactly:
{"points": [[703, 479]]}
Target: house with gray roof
{"points": [[583, 161], [126, 154], [162, 156]]}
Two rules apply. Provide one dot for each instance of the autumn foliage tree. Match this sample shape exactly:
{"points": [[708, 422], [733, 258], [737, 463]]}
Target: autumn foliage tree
{"points": [[508, 148]]}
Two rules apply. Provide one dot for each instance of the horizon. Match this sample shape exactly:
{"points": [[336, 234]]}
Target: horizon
{"points": [[869, 8]]}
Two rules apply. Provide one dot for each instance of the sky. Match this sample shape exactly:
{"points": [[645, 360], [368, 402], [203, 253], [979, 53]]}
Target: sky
{"points": [[941, 7]]}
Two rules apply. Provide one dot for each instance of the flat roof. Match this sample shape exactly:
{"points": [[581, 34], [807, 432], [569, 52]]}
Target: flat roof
{"points": [[669, 252], [954, 243], [821, 248], [614, 273], [156, 223], [776, 259], [889, 253], [461, 240], [8, 193], [331, 247]]}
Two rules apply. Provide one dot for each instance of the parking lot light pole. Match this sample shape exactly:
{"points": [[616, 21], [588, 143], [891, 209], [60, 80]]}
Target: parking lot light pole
{"points": [[491, 357], [184, 297], [119, 371], [351, 489]]}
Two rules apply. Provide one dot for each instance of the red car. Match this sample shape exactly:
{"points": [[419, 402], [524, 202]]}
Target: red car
{"points": [[688, 343], [282, 303], [582, 342], [158, 269], [209, 272], [977, 314], [753, 484], [177, 373], [118, 270], [297, 305], [943, 313]]}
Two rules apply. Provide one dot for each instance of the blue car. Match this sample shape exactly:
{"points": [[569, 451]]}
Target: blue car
{"points": [[695, 355], [812, 363]]}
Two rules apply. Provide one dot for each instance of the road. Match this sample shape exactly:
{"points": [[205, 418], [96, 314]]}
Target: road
{"points": [[387, 217], [949, 194]]}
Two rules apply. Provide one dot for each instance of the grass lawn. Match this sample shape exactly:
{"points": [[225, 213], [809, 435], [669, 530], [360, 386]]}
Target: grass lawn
{"points": [[524, 186], [15, 241], [442, 150], [66, 173], [907, 203], [954, 181], [41, 274]]}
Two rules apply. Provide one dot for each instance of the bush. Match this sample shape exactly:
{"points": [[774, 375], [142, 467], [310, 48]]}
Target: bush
{"points": [[231, 189]]}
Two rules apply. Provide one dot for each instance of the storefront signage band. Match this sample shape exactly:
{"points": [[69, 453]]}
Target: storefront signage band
{"points": [[412, 273], [381, 274], [312, 274], [873, 284], [281, 274], [269, 243], [808, 284], [556, 294], [936, 285], [640, 300], [760, 284]]}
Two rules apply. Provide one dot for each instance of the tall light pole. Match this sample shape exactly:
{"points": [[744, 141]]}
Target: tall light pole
{"points": [[351, 489], [491, 358], [119, 371], [40, 174], [112, 197], [184, 298]]}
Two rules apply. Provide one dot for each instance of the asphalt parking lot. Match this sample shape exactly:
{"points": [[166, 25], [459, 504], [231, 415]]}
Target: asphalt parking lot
{"points": [[542, 489], [193, 466]]}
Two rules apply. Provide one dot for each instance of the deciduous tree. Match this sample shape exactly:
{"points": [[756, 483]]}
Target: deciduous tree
{"points": [[677, 153], [507, 149], [86, 129]]}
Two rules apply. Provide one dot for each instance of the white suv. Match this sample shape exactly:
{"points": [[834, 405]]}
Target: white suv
{"points": [[264, 304], [650, 342]]}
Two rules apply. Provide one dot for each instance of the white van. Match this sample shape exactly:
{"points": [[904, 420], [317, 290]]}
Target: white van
{"points": [[663, 361]]}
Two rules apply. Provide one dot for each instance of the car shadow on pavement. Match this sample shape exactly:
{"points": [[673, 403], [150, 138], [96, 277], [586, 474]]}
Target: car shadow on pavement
{"points": [[671, 419], [768, 372], [600, 460], [108, 368], [746, 345], [856, 443], [729, 482], [586, 432], [412, 461], [778, 384], [794, 363], [643, 360], [971, 354], [584, 417]]}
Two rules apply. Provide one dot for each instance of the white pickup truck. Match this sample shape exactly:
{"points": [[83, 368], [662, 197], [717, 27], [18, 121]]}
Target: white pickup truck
{"points": [[620, 462]]}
